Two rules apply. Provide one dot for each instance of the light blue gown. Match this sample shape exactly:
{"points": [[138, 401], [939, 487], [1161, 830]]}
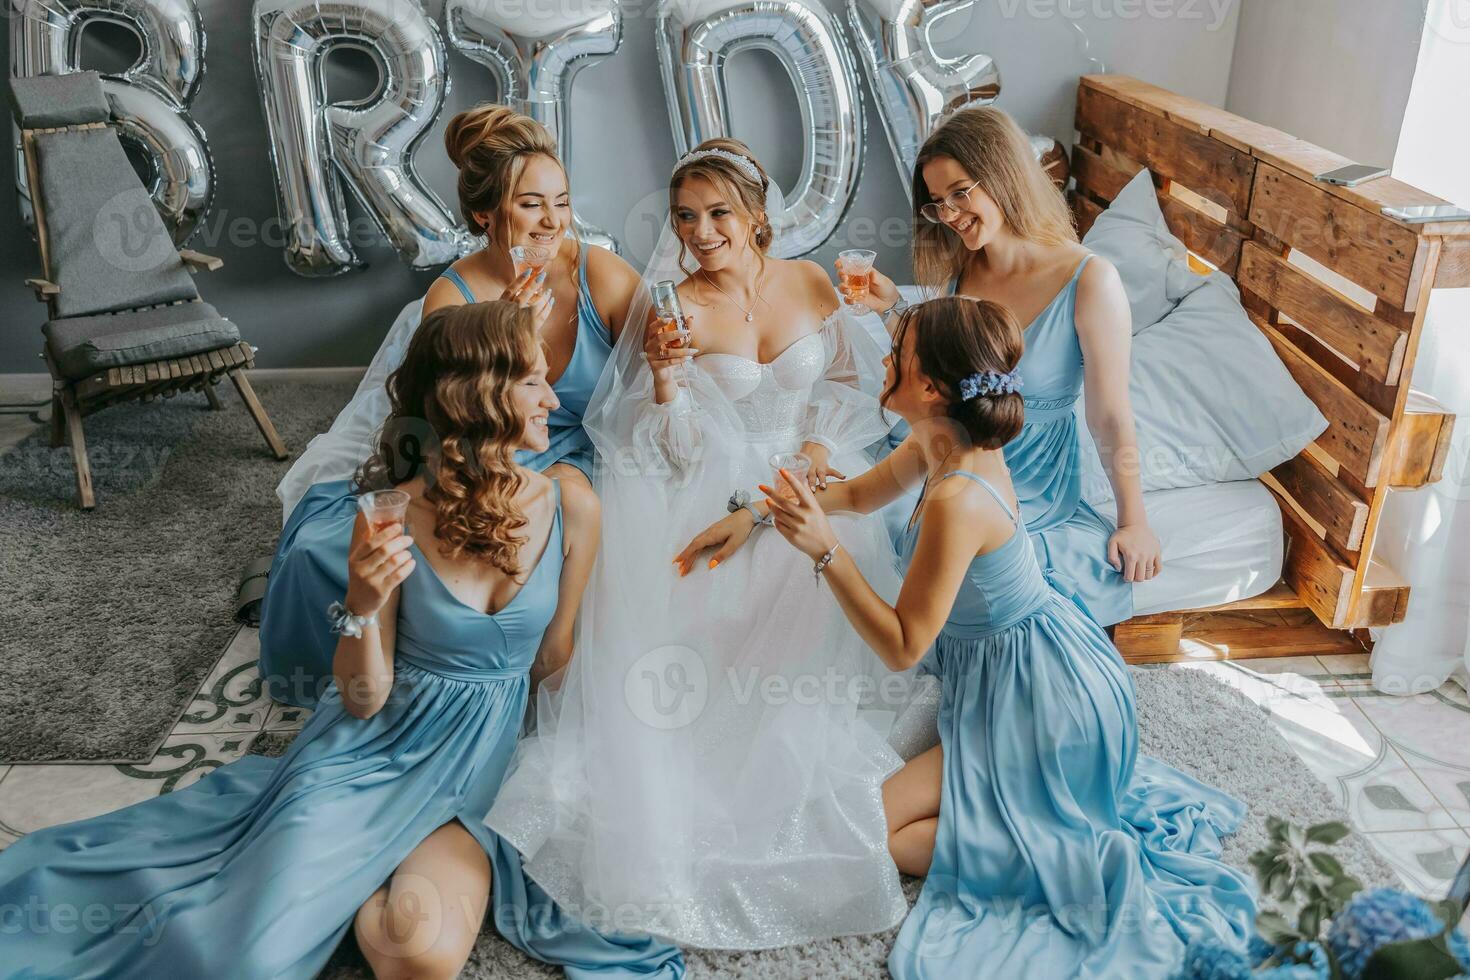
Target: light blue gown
{"points": [[1060, 852], [258, 869], [1071, 539], [307, 574]]}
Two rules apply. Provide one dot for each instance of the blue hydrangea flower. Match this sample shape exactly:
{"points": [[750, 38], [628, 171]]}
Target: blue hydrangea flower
{"points": [[989, 383], [1312, 964], [1380, 916], [1207, 958]]}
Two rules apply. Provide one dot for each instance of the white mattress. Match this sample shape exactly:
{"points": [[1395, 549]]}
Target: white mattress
{"points": [[1221, 542]]}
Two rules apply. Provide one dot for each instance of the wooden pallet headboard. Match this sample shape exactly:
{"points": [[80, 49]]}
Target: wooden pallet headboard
{"points": [[1242, 197]]}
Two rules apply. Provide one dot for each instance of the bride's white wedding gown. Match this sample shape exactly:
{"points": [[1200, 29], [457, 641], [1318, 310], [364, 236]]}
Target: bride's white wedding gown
{"points": [[710, 767]]}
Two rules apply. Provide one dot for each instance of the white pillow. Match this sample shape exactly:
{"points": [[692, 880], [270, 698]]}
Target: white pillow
{"points": [[1154, 264], [1211, 400]]}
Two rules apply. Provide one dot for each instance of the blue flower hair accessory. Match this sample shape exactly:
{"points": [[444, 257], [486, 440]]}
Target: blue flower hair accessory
{"points": [[990, 383]]}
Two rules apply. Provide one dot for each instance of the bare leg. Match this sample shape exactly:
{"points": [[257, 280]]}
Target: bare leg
{"points": [[423, 921], [911, 803]]}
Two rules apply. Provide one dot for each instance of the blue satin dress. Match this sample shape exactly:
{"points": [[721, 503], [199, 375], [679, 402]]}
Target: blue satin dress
{"points": [[1060, 852], [307, 574], [258, 869], [1071, 539]]}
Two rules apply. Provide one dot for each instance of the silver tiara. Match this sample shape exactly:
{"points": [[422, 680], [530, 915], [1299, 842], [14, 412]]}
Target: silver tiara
{"points": [[742, 163]]}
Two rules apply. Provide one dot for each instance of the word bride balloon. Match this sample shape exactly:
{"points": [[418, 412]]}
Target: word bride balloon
{"points": [[369, 144], [149, 101], [696, 37]]}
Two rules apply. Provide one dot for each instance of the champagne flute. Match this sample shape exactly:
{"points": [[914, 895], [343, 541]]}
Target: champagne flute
{"points": [[670, 314]]}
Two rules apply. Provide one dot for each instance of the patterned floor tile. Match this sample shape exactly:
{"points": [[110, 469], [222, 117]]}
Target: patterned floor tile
{"points": [[286, 718], [1426, 861], [1431, 724], [1332, 734], [32, 797], [230, 699]]}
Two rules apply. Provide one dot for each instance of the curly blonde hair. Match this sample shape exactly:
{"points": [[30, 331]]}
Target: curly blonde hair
{"points": [[489, 145], [746, 196], [990, 147], [452, 420]]}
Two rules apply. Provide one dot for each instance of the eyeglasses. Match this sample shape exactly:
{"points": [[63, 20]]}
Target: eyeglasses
{"points": [[953, 202]]}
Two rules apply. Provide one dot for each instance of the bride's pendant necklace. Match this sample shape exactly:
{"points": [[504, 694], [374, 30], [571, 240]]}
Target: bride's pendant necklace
{"points": [[750, 313]]}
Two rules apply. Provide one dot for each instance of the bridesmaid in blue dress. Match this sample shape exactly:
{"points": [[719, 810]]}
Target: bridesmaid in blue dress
{"points": [[513, 189], [373, 818], [989, 223], [1051, 848]]}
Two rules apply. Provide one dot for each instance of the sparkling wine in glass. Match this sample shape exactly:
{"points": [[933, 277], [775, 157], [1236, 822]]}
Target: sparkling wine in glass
{"points": [[797, 464], [384, 508], [670, 315], [853, 266], [533, 257]]}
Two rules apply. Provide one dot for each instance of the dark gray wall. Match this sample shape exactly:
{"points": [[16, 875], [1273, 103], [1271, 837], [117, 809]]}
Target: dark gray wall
{"points": [[622, 152]]}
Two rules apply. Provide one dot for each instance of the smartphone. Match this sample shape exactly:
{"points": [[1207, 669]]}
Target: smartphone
{"points": [[1352, 175], [1420, 214]]}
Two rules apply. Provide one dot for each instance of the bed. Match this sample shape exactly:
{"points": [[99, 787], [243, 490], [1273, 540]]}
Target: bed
{"points": [[1340, 291]]}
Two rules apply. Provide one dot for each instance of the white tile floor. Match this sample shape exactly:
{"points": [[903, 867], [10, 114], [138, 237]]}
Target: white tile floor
{"points": [[1399, 766]]}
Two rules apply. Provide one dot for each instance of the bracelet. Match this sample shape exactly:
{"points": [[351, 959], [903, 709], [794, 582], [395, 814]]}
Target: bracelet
{"points": [[345, 622], [741, 500], [899, 305], [823, 562], [759, 520]]}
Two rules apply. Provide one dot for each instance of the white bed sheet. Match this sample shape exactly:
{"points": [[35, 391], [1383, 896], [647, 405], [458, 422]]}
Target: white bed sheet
{"points": [[1221, 542]]}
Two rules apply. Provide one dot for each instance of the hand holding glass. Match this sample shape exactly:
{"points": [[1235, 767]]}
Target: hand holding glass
{"points": [[797, 464], [670, 315], [854, 266], [384, 508]]}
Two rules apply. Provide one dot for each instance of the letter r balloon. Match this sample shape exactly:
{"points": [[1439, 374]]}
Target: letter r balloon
{"points": [[368, 145]]}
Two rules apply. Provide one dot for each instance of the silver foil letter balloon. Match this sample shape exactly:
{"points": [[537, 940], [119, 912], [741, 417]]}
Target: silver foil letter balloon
{"points": [[535, 55], [913, 86], [369, 145], [696, 37], [150, 100]]}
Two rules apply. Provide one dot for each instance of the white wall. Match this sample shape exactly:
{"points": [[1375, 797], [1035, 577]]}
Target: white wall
{"points": [[1333, 72]]}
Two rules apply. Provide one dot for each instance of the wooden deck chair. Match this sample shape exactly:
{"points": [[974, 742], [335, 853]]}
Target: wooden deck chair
{"points": [[126, 322]]}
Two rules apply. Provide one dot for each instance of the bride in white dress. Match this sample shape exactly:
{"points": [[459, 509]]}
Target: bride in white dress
{"points": [[710, 768]]}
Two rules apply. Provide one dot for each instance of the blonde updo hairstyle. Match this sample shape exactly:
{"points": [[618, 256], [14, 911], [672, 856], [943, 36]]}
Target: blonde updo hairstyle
{"points": [[990, 147], [747, 196], [490, 144]]}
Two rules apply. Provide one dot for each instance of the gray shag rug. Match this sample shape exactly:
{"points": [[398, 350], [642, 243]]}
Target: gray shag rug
{"points": [[112, 619], [1186, 719]]}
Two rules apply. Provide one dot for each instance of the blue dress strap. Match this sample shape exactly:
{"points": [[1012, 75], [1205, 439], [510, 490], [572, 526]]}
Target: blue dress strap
{"points": [[458, 280], [1080, 266], [988, 487], [587, 315]]}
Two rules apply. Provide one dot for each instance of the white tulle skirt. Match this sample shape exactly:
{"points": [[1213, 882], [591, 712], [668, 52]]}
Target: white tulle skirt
{"points": [[709, 768]]}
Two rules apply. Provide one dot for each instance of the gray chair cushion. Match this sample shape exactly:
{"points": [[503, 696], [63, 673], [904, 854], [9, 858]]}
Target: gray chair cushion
{"points": [[58, 100], [83, 345], [109, 249]]}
